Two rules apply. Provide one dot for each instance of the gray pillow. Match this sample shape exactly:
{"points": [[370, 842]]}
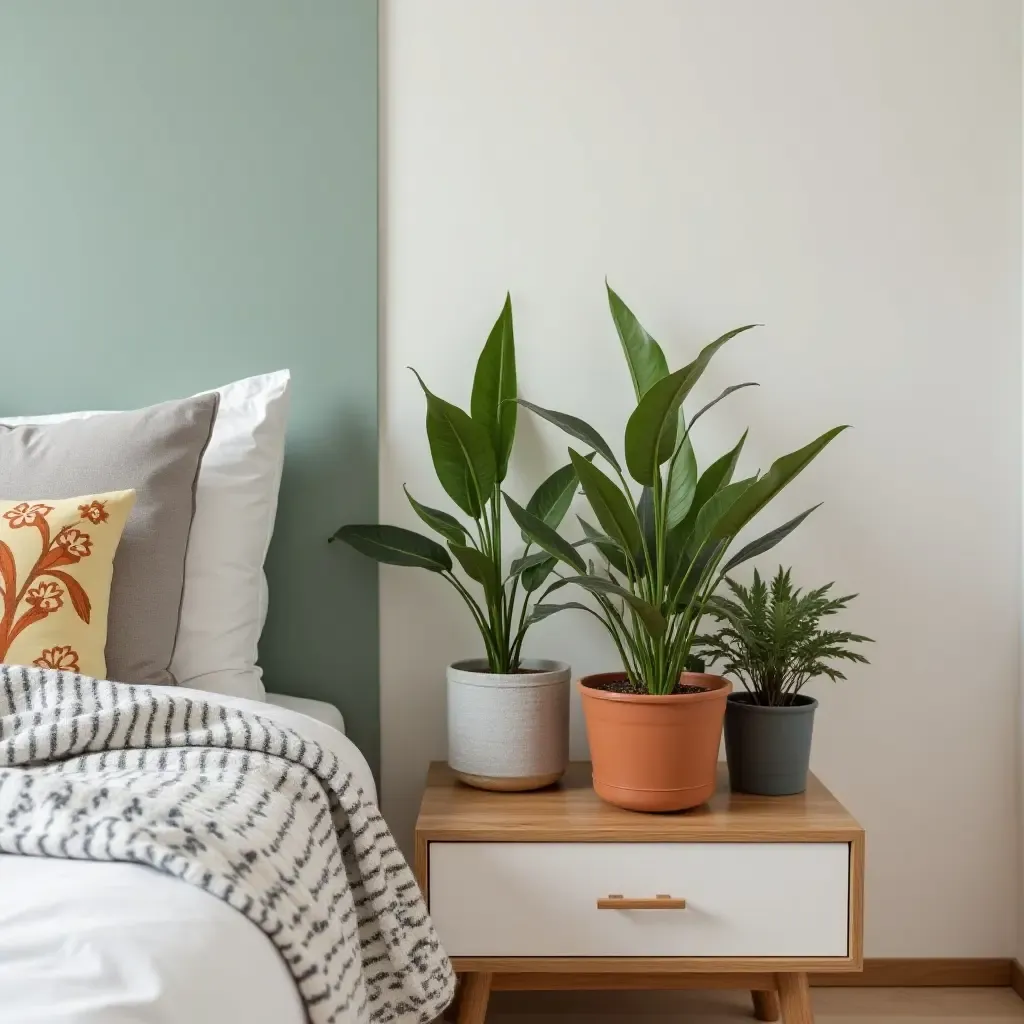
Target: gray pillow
{"points": [[155, 451]]}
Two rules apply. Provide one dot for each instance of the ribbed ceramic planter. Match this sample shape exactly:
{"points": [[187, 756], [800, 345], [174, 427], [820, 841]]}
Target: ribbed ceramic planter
{"points": [[768, 749], [508, 732], [654, 753]]}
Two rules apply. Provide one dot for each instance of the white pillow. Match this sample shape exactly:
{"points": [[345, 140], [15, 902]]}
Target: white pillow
{"points": [[224, 602]]}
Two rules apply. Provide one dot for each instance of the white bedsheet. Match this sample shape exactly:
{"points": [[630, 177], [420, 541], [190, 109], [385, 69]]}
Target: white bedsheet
{"points": [[97, 943]]}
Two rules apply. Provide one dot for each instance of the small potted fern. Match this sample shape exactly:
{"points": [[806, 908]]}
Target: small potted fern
{"points": [[772, 641], [508, 716]]}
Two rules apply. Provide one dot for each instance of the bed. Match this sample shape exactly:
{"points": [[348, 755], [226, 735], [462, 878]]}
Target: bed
{"points": [[84, 942], [178, 845]]}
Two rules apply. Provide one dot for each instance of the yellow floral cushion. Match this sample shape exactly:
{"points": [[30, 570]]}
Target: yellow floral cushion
{"points": [[56, 564]]}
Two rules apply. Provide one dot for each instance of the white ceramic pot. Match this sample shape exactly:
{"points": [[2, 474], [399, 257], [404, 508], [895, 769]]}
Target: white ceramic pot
{"points": [[508, 732]]}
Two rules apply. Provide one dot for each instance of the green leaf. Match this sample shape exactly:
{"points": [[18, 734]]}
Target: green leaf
{"points": [[715, 477], [575, 427], [782, 471], [543, 611], [647, 363], [693, 571], [767, 541], [442, 522], [648, 551], [700, 364], [520, 565], [716, 508], [609, 504], [654, 622], [682, 480], [462, 454], [552, 499], [477, 566], [394, 545], [544, 536], [534, 576], [725, 394], [493, 403], [612, 552], [651, 429], [718, 474]]}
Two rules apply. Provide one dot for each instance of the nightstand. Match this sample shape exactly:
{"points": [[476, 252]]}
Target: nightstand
{"points": [[556, 889]]}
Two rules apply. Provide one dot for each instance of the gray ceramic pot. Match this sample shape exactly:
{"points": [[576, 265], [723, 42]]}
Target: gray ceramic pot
{"points": [[768, 749]]}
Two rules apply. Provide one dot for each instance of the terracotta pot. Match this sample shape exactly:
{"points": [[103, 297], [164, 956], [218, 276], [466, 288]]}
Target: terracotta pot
{"points": [[655, 753]]}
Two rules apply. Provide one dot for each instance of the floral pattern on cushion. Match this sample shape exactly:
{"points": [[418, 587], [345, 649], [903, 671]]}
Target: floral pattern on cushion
{"points": [[50, 577]]}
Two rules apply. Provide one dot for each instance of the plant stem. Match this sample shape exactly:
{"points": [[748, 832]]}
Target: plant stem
{"points": [[478, 615]]}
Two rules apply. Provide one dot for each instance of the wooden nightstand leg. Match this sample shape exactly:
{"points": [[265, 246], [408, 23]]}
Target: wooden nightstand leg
{"points": [[473, 999], [766, 1005], [795, 996]]}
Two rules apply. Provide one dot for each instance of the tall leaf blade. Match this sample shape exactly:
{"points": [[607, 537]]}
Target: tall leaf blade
{"points": [[717, 507], [477, 566], [654, 622], [681, 486], [693, 573], [533, 577], [520, 565], [553, 497], [646, 360], [395, 545], [544, 536], [440, 522], [493, 404], [651, 429], [612, 552], [782, 471], [767, 541], [648, 553], [543, 611], [715, 477], [575, 427], [690, 550], [461, 452], [609, 504], [700, 364], [718, 398]]}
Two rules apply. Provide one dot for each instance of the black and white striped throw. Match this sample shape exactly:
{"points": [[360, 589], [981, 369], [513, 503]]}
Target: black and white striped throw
{"points": [[230, 802]]}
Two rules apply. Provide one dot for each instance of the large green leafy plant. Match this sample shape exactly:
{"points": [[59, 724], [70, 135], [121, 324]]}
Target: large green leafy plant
{"points": [[771, 637], [662, 541], [470, 453]]}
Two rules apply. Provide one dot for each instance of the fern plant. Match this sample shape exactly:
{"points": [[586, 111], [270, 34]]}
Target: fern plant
{"points": [[771, 638]]}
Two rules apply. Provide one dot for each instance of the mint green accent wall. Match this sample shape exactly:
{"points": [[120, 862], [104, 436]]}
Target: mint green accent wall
{"points": [[188, 195]]}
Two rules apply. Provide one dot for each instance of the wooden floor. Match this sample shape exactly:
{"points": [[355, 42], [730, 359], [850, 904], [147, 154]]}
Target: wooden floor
{"points": [[831, 1005]]}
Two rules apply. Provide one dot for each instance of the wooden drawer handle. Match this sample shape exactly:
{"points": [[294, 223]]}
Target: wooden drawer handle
{"points": [[660, 902]]}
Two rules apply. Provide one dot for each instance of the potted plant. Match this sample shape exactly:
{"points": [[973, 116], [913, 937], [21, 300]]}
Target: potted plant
{"points": [[662, 543], [508, 717], [772, 641]]}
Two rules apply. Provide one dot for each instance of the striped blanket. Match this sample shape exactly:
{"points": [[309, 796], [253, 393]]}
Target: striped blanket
{"points": [[230, 802]]}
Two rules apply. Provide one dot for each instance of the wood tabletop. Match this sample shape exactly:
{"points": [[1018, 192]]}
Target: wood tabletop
{"points": [[572, 812]]}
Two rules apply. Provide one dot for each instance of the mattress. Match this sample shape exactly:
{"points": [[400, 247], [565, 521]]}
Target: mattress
{"points": [[83, 942]]}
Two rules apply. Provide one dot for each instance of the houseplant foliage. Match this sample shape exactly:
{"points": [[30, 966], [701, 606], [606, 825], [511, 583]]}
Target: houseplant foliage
{"points": [[661, 536], [470, 452], [771, 639]]}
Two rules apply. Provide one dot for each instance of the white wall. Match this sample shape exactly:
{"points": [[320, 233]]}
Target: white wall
{"points": [[847, 173]]}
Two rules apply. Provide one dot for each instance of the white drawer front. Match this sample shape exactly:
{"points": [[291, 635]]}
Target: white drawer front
{"points": [[540, 899]]}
